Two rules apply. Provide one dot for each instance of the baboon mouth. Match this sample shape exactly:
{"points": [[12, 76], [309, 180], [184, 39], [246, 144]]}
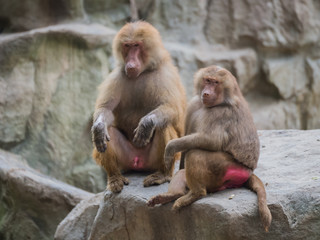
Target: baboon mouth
{"points": [[132, 73]]}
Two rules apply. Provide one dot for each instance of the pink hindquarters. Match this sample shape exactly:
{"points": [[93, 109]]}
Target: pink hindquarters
{"points": [[137, 163], [235, 177]]}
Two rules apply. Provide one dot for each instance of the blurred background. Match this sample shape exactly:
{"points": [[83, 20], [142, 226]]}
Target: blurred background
{"points": [[55, 53]]}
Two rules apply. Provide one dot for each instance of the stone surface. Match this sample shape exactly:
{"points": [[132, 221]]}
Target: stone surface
{"points": [[288, 75], [288, 165], [271, 46], [32, 204], [17, 16], [16, 102], [242, 63], [50, 78], [268, 113]]}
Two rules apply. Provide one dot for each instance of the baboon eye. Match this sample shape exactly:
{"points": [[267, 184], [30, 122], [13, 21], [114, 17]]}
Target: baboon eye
{"points": [[207, 81], [136, 45], [127, 45]]}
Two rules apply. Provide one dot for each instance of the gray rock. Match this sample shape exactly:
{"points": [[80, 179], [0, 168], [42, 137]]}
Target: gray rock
{"points": [[283, 37], [179, 21], [288, 165], [288, 75], [83, 215], [16, 94], [269, 113], [280, 23], [49, 78], [313, 70], [107, 12], [22, 16], [32, 204], [242, 63]]}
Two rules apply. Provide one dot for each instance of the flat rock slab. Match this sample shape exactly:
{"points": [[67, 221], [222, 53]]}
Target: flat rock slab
{"points": [[289, 166]]}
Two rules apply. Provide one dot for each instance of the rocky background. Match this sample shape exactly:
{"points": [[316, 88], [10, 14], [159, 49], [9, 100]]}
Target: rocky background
{"points": [[54, 54]]}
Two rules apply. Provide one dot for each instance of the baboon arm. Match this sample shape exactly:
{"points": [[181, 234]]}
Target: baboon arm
{"points": [[192, 141], [161, 115]]}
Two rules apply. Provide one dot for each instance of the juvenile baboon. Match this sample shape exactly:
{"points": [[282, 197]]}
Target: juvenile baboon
{"points": [[221, 146]]}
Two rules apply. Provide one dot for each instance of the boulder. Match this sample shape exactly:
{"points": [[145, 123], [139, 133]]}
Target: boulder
{"points": [[269, 113], [271, 24], [288, 166], [288, 75], [243, 63], [32, 204], [311, 107], [49, 79], [17, 16], [278, 43]]}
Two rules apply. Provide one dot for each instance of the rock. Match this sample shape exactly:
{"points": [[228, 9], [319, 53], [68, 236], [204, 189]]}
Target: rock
{"points": [[109, 13], [16, 94], [269, 113], [89, 176], [32, 204], [242, 63], [83, 215], [16, 16], [265, 22], [50, 78], [178, 21], [312, 106], [278, 34], [184, 58], [288, 75], [288, 166]]}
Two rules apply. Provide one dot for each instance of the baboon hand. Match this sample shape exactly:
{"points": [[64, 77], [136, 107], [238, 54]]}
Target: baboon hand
{"points": [[100, 136], [143, 133]]}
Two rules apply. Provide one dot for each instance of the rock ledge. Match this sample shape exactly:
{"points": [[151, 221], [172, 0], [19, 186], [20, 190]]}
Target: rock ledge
{"points": [[289, 167]]}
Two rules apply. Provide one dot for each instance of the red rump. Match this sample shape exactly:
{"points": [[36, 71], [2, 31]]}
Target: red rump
{"points": [[235, 177], [137, 163]]}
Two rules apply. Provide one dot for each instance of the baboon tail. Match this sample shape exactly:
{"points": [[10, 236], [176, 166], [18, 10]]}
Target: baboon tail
{"points": [[255, 184]]}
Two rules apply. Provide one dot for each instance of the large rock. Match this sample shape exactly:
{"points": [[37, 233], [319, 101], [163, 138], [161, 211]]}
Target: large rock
{"points": [[288, 165], [48, 89], [312, 106], [288, 75], [32, 204], [243, 63], [269, 113], [17, 16], [280, 23], [273, 39]]}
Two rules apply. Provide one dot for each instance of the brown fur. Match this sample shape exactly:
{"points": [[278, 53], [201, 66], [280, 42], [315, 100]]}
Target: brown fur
{"points": [[139, 116], [220, 134]]}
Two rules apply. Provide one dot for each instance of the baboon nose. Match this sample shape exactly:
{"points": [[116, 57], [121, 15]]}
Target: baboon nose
{"points": [[131, 66]]}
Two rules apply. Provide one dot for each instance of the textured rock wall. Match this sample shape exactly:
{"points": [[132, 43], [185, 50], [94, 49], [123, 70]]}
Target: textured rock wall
{"points": [[271, 46], [48, 83]]}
